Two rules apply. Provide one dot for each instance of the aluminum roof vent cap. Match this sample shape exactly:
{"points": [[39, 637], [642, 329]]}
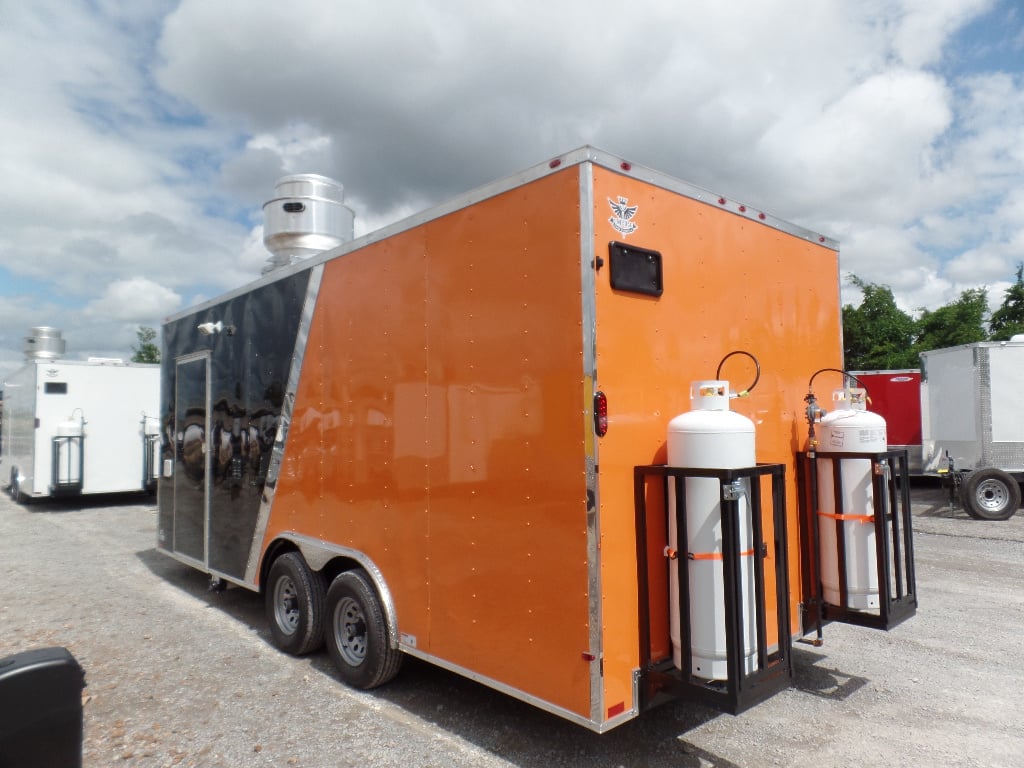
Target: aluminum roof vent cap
{"points": [[44, 343], [306, 216]]}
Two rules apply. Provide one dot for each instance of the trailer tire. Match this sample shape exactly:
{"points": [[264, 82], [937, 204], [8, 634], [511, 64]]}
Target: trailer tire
{"points": [[357, 632], [15, 487], [990, 494], [294, 600]]}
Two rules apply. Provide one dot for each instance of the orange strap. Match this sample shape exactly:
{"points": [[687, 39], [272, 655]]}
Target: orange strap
{"points": [[714, 555], [856, 518]]}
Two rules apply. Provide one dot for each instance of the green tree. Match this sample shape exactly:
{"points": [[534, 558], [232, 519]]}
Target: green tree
{"points": [[147, 351], [959, 322], [1009, 318], [877, 334]]}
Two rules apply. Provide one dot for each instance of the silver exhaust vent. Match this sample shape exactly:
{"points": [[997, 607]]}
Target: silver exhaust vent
{"points": [[44, 343], [306, 216]]}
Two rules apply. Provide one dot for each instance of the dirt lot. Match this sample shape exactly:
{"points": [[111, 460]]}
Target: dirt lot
{"points": [[179, 676]]}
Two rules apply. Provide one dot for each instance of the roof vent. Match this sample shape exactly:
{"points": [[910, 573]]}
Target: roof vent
{"points": [[306, 216], [44, 343]]}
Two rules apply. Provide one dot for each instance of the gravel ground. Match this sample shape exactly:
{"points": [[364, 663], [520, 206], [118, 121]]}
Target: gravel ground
{"points": [[179, 676]]}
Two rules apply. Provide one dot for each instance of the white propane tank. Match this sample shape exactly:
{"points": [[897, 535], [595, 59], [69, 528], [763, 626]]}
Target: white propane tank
{"points": [[710, 436], [849, 428]]}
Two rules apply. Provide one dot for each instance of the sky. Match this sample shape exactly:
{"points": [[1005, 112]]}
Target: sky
{"points": [[140, 138]]}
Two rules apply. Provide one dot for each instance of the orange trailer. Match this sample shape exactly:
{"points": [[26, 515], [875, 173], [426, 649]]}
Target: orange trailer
{"points": [[432, 440]]}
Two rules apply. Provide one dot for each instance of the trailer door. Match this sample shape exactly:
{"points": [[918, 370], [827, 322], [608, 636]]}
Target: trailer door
{"points": [[192, 457]]}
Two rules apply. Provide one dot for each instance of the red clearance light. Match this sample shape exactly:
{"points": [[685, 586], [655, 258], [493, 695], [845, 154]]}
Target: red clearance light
{"points": [[601, 414], [721, 201], [743, 209], [761, 216], [626, 166], [555, 163]]}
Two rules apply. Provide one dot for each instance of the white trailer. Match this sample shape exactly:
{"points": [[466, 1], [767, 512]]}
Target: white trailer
{"points": [[80, 427], [972, 424]]}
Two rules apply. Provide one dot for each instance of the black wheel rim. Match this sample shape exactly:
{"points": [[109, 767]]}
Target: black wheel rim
{"points": [[286, 605], [350, 631]]}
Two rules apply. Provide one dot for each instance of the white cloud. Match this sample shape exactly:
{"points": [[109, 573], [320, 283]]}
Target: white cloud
{"points": [[140, 142], [254, 255], [134, 300], [922, 27], [870, 146]]}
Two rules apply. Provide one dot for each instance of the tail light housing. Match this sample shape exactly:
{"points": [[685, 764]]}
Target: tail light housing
{"points": [[600, 414]]}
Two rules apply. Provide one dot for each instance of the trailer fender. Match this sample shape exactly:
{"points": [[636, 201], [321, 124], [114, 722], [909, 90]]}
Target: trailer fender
{"points": [[319, 554]]}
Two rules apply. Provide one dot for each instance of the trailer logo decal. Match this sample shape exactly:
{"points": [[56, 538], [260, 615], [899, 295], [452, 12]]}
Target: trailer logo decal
{"points": [[622, 215]]}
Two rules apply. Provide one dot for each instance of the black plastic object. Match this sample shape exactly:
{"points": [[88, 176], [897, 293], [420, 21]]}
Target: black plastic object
{"points": [[41, 710], [634, 269]]}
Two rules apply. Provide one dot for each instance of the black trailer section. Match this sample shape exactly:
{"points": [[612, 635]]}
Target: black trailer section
{"points": [[229, 396]]}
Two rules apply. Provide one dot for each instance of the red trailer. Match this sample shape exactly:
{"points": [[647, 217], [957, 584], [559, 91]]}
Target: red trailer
{"points": [[896, 396]]}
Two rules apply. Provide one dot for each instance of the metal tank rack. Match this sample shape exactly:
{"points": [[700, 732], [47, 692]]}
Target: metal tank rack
{"points": [[893, 539], [659, 679]]}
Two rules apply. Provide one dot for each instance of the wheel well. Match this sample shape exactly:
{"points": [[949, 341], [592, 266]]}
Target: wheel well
{"points": [[274, 551], [338, 565], [331, 569]]}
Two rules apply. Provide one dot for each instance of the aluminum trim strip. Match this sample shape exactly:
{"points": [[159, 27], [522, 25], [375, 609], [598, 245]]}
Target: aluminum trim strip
{"points": [[206, 357], [277, 454], [593, 725], [199, 566], [208, 459], [588, 293], [192, 357], [692, 191]]}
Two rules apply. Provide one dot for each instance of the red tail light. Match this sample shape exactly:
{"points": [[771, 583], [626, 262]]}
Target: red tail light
{"points": [[600, 414]]}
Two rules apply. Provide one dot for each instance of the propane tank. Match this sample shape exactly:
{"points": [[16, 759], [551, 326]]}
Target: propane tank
{"points": [[710, 436], [849, 428]]}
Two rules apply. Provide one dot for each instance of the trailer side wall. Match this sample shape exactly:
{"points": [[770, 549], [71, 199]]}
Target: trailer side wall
{"points": [[438, 429]]}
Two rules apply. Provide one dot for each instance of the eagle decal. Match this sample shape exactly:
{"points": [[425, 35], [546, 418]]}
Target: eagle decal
{"points": [[622, 215]]}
